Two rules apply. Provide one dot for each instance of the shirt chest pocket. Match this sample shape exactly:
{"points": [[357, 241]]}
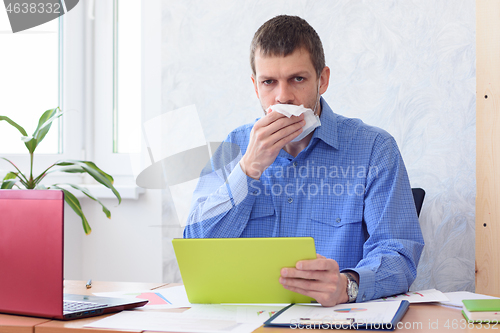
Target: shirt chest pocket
{"points": [[262, 209], [337, 214]]}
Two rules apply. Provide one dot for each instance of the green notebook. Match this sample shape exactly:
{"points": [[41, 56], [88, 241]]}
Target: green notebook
{"points": [[482, 310], [240, 270]]}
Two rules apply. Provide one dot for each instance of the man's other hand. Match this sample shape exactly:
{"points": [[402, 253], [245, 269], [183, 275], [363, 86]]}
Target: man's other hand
{"points": [[269, 134], [319, 278]]}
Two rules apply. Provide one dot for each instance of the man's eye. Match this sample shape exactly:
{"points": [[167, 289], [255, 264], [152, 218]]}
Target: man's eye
{"points": [[267, 82], [299, 79]]}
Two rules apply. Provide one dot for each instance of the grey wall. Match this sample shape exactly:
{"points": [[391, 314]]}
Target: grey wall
{"points": [[405, 66]]}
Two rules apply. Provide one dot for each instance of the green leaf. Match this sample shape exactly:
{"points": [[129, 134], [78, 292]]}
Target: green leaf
{"points": [[20, 175], [95, 173], [19, 128], [10, 175], [85, 191], [30, 143], [41, 130], [45, 122], [68, 169], [74, 203], [8, 184]]}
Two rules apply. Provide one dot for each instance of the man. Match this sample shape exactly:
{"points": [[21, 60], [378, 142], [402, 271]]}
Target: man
{"points": [[344, 184]]}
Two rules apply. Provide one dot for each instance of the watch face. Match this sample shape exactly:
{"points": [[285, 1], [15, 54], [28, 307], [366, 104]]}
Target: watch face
{"points": [[352, 289]]}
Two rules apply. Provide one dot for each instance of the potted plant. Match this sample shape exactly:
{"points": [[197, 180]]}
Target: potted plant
{"points": [[20, 180]]}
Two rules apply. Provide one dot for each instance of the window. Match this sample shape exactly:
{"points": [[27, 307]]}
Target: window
{"points": [[127, 77], [30, 84], [87, 62], [44, 69]]}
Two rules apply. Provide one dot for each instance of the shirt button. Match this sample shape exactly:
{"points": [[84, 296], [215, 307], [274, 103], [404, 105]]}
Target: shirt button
{"points": [[364, 298], [294, 164], [290, 200], [338, 220], [255, 192]]}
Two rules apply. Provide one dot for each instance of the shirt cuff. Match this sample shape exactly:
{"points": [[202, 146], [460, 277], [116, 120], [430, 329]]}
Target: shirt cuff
{"points": [[240, 186], [366, 289]]}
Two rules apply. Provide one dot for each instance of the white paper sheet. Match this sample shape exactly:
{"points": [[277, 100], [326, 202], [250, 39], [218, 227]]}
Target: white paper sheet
{"points": [[256, 314], [239, 313], [169, 322], [423, 296], [211, 311], [168, 298], [456, 297]]}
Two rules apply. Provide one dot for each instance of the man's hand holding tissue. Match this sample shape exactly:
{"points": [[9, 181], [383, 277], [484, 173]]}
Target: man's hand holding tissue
{"points": [[268, 136]]}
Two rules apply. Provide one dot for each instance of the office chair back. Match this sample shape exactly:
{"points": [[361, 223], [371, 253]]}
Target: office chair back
{"points": [[418, 197]]}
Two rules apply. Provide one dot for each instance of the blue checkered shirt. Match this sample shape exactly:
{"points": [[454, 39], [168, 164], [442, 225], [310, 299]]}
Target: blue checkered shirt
{"points": [[348, 189]]}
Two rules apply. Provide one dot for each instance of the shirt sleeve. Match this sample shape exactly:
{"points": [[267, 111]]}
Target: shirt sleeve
{"points": [[395, 243], [221, 202]]}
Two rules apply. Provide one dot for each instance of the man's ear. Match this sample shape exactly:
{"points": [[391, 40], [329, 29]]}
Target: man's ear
{"points": [[324, 80], [255, 85]]}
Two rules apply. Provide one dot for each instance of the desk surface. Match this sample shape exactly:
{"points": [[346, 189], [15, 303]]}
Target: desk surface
{"points": [[419, 318], [22, 324]]}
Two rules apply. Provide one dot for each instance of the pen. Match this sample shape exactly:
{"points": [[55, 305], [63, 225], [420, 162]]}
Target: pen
{"points": [[89, 284]]}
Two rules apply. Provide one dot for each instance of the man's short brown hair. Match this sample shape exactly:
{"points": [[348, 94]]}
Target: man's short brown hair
{"points": [[282, 35]]}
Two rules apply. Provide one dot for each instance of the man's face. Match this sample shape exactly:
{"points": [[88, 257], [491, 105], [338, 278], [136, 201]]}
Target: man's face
{"points": [[288, 80]]}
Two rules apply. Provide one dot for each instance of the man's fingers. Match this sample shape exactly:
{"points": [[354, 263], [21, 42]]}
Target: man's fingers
{"points": [[276, 141], [322, 298], [300, 274], [306, 284], [310, 293], [281, 123], [318, 264], [279, 129], [287, 134], [281, 136], [269, 118]]}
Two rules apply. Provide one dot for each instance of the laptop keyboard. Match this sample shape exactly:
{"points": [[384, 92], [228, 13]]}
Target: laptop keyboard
{"points": [[73, 306]]}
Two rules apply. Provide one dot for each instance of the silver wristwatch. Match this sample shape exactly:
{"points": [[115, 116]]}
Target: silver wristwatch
{"points": [[352, 288]]}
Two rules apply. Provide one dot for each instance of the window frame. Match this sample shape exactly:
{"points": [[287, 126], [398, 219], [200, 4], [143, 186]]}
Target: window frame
{"points": [[117, 164]]}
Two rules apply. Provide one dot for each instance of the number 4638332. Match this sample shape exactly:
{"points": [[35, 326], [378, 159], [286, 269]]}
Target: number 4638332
{"points": [[32, 8]]}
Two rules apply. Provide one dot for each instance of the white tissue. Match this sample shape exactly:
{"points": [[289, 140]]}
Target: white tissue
{"points": [[312, 120]]}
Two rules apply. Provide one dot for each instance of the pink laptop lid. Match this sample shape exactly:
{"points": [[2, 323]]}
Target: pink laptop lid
{"points": [[31, 252]]}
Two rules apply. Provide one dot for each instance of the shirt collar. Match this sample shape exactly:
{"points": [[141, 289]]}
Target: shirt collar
{"points": [[328, 129]]}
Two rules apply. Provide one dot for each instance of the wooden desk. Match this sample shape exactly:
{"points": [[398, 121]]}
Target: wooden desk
{"points": [[419, 318], [22, 324], [19, 324]]}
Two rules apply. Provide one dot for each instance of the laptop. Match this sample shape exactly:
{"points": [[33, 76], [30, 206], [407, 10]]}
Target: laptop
{"points": [[31, 260], [240, 270]]}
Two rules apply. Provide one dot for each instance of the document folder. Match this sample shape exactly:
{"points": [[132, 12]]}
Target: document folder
{"points": [[368, 315]]}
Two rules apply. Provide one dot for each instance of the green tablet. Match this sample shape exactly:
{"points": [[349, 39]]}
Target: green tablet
{"points": [[240, 270]]}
